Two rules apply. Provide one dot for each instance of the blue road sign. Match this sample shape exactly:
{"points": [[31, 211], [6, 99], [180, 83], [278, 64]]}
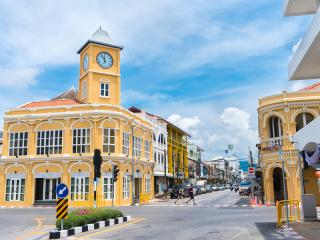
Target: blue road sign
{"points": [[62, 190]]}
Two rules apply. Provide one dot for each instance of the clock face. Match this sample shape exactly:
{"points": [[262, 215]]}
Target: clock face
{"points": [[104, 60], [85, 63]]}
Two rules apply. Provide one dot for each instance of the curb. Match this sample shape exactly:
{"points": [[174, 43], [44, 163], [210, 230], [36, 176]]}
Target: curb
{"points": [[56, 234]]}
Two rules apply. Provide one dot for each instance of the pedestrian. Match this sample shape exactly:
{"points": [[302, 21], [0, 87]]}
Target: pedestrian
{"points": [[180, 195], [191, 193]]}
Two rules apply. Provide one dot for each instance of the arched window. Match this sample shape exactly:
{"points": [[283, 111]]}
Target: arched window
{"points": [[154, 137], [303, 119], [275, 127]]}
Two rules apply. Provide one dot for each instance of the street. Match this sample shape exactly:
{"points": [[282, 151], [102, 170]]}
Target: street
{"points": [[217, 215]]}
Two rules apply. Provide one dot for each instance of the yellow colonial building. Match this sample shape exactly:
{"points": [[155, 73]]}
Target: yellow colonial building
{"points": [[280, 116], [48, 142], [177, 153]]}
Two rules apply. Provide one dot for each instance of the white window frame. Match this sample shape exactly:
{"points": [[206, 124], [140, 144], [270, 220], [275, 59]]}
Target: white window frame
{"points": [[148, 185], [49, 142], [147, 149], [126, 186], [15, 146], [107, 145], [137, 142], [108, 188], [84, 89], [126, 143], [104, 87], [272, 135], [82, 141], [79, 188], [16, 190]]}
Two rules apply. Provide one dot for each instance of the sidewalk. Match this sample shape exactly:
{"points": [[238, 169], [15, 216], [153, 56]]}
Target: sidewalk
{"points": [[308, 230]]}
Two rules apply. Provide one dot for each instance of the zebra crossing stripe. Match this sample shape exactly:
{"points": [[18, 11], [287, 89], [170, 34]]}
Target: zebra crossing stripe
{"points": [[62, 208]]}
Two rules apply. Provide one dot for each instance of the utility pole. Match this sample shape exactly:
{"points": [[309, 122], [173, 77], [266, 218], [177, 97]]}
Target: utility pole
{"points": [[165, 173], [251, 165]]}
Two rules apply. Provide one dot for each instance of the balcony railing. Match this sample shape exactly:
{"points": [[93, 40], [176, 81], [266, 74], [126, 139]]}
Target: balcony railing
{"points": [[274, 144]]}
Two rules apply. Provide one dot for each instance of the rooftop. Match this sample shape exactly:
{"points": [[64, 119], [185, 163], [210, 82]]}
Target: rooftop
{"points": [[101, 37], [313, 87], [50, 103]]}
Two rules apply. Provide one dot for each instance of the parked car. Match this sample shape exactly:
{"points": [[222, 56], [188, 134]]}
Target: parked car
{"points": [[209, 188], [221, 188], [215, 188], [197, 190], [175, 190]]}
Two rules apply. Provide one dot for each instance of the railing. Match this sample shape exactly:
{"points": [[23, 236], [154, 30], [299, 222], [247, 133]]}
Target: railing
{"points": [[293, 211], [274, 143]]}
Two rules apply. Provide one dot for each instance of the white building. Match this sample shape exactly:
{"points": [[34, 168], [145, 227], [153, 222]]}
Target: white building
{"points": [[306, 59], [160, 147]]}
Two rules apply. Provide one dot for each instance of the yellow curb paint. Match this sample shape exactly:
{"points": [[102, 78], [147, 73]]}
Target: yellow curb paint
{"points": [[37, 228]]}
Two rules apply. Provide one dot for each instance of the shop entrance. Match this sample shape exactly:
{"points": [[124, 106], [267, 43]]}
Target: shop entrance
{"points": [[45, 190], [278, 184], [137, 188]]}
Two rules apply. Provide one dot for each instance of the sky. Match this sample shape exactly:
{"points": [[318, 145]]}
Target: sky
{"points": [[200, 64]]}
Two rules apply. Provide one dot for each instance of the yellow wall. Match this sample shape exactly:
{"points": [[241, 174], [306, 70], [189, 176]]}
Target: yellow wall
{"points": [[177, 151], [286, 106], [95, 113]]}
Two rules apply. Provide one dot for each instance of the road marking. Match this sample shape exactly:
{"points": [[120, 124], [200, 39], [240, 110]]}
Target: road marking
{"points": [[136, 220], [36, 229]]}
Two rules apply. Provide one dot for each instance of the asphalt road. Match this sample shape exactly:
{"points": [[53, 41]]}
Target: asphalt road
{"points": [[217, 215]]}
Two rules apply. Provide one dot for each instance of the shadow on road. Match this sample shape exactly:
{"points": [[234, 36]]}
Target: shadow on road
{"points": [[268, 231]]}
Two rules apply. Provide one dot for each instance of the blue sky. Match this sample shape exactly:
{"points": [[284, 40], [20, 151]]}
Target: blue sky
{"points": [[201, 64]]}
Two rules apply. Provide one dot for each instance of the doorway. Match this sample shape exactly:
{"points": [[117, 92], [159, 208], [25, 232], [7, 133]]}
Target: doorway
{"points": [[278, 184], [137, 188], [45, 189]]}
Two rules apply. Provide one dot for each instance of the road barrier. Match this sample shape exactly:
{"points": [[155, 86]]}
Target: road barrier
{"points": [[293, 210]]}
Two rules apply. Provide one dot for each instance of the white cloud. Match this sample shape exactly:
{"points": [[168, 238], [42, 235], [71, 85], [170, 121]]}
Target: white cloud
{"points": [[185, 123], [236, 118], [18, 77]]}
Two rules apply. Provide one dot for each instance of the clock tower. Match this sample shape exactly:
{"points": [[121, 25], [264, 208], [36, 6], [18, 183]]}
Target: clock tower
{"points": [[99, 80]]}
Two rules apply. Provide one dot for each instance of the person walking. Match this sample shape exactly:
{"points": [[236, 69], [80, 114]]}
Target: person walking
{"points": [[191, 193], [180, 195]]}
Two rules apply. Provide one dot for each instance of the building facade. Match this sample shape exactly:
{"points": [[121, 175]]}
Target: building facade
{"points": [[177, 154], [280, 116], [53, 141], [160, 150]]}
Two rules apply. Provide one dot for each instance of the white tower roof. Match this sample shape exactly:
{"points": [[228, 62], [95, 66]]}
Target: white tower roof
{"points": [[102, 37]]}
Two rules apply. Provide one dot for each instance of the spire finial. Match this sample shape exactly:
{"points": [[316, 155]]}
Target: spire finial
{"points": [[100, 26]]}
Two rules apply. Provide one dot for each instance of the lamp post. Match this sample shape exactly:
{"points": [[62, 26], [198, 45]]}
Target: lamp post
{"points": [[284, 187], [165, 173]]}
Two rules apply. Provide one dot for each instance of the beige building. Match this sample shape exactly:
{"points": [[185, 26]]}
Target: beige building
{"points": [[280, 116]]}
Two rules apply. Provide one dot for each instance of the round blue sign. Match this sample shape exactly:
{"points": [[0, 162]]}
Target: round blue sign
{"points": [[62, 190]]}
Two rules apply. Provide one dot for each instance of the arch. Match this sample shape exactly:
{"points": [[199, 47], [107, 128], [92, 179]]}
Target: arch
{"points": [[15, 165], [17, 124], [270, 114], [138, 167], [303, 110], [47, 164], [80, 163], [109, 119], [126, 166], [81, 120], [272, 166], [48, 122], [126, 127], [137, 132]]}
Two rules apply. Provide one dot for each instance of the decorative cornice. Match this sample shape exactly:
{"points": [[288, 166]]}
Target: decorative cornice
{"points": [[282, 106]]}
